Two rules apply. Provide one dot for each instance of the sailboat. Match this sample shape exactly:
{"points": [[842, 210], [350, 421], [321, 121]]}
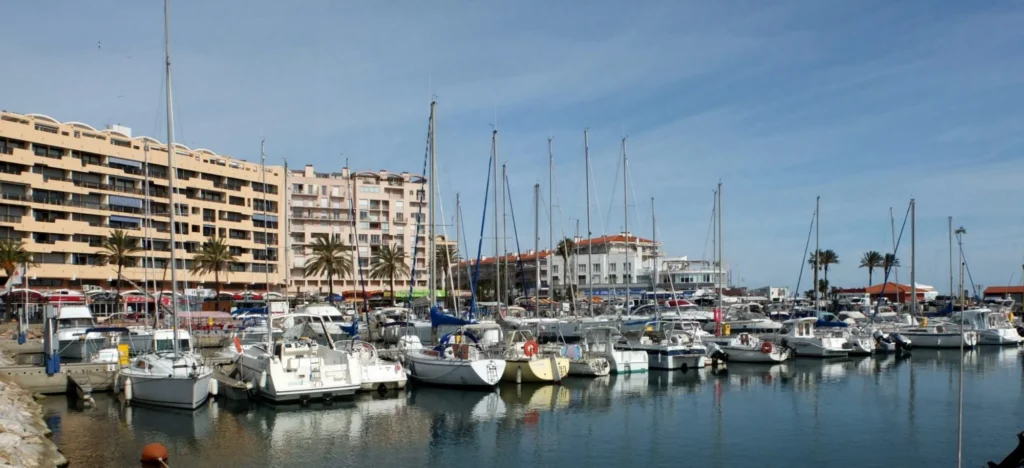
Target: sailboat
{"points": [[458, 359], [168, 375]]}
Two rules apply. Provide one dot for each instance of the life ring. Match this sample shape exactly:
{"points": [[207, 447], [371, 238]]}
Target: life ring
{"points": [[745, 338], [530, 348], [766, 347]]}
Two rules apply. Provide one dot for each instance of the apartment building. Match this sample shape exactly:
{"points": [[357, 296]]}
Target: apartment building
{"points": [[364, 209], [66, 186]]}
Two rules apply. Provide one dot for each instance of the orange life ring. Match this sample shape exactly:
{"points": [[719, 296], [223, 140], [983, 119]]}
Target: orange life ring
{"points": [[766, 347], [530, 348]]}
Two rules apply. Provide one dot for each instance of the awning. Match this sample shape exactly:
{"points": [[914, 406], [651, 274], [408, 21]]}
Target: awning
{"points": [[263, 217], [124, 201], [124, 162], [125, 219]]}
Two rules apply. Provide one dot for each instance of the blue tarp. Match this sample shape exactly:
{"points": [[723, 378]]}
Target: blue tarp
{"points": [[830, 324], [437, 319], [351, 330]]}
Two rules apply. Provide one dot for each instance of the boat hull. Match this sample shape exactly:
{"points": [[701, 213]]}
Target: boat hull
{"points": [[806, 349], [670, 360], [942, 340], [589, 367], [383, 376], [999, 337], [542, 369], [181, 392], [741, 354], [625, 361], [454, 372]]}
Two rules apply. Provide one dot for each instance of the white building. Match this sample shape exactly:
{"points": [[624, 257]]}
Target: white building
{"points": [[772, 293]]}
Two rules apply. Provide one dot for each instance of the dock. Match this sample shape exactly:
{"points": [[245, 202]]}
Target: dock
{"points": [[94, 377]]}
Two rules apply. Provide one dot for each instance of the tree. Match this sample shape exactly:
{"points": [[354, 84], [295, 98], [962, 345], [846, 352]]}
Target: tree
{"points": [[565, 249], [828, 257], [117, 249], [328, 256], [214, 257], [446, 257], [889, 262], [13, 254], [388, 263], [871, 260], [823, 288]]}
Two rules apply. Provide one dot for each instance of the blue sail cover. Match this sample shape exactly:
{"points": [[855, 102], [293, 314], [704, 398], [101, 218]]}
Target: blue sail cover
{"points": [[945, 311], [437, 319], [249, 310], [830, 324], [351, 330]]}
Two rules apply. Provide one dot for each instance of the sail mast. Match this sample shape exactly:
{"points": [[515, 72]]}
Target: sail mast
{"points": [[654, 241], [266, 233], [536, 244], [913, 253], [721, 265], [497, 245], [590, 241], [817, 247], [551, 228], [431, 241], [625, 208], [171, 175]]}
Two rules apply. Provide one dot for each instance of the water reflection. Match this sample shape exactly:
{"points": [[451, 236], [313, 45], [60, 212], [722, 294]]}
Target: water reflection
{"points": [[905, 409]]}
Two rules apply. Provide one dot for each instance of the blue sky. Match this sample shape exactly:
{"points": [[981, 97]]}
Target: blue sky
{"points": [[865, 103]]}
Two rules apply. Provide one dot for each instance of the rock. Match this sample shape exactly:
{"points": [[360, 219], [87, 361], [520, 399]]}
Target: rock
{"points": [[23, 433], [38, 396]]}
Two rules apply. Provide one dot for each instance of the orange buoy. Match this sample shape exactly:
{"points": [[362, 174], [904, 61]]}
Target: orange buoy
{"points": [[766, 347], [530, 348], [154, 454]]}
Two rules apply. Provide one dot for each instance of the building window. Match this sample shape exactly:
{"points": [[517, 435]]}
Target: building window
{"points": [[46, 128], [611, 268], [47, 151], [597, 268], [554, 269]]}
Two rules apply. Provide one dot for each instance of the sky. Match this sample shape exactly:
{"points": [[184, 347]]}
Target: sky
{"points": [[866, 104]]}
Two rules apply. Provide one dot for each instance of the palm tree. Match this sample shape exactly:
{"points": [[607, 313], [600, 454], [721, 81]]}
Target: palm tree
{"points": [[871, 260], [565, 249], [828, 257], [389, 263], [213, 257], [12, 254], [328, 257], [117, 249], [823, 288], [446, 257], [889, 262]]}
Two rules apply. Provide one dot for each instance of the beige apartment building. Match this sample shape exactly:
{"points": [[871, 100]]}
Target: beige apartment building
{"points": [[365, 210], [66, 186]]}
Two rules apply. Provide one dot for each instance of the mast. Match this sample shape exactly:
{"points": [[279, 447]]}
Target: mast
{"points": [[266, 209], [509, 281], [536, 243], [913, 238], [951, 295], [590, 242], [895, 269], [458, 247], [721, 265], [497, 245], [551, 228], [172, 174], [654, 240], [431, 240], [287, 236], [817, 246], [625, 222], [147, 258]]}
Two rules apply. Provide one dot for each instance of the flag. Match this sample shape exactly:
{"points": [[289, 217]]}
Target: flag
{"points": [[16, 278]]}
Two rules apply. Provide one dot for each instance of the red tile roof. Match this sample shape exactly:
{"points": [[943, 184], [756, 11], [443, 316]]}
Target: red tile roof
{"points": [[615, 238], [889, 288], [995, 290]]}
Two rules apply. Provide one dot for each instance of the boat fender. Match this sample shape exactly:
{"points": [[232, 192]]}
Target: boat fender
{"points": [[263, 379], [766, 347], [213, 387], [128, 389], [519, 375]]}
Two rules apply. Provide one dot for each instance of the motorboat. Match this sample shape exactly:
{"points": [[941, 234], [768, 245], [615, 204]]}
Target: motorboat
{"points": [[458, 360], [799, 335], [73, 320], [338, 324], [993, 328], [600, 342], [302, 365], [171, 374], [669, 345], [940, 336], [747, 347], [746, 318], [523, 360], [377, 374], [582, 365]]}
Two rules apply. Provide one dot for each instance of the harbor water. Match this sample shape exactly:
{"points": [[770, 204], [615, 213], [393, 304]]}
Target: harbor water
{"points": [[865, 412]]}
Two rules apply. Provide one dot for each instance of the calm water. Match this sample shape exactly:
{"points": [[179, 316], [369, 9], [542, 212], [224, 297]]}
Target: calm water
{"points": [[858, 412]]}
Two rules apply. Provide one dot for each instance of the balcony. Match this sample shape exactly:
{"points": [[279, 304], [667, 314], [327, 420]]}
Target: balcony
{"points": [[235, 187]]}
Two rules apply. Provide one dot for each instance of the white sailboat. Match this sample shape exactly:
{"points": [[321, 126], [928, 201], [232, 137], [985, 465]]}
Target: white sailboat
{"points": [[599, 342], [74, 339], [992, 328], [669, 345], [798, 335], [176, 377], [377, 374], [747, 347]]}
